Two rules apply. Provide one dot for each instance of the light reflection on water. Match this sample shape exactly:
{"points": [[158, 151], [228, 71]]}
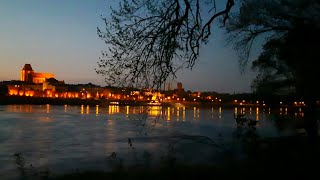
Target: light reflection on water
{"points": [[64, 136]]}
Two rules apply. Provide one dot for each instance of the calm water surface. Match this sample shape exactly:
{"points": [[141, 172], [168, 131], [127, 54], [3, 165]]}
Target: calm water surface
{"points": [[66, 137]]}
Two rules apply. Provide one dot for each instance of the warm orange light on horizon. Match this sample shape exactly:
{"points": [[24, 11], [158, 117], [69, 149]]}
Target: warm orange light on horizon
{"points": [[21, 93]]}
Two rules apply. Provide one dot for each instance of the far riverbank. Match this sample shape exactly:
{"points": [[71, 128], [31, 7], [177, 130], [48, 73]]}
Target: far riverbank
{"points": [[7, 100]]}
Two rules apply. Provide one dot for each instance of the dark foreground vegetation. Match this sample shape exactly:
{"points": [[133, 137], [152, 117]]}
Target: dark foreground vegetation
{"points": [[294, 157], [286, 157]]}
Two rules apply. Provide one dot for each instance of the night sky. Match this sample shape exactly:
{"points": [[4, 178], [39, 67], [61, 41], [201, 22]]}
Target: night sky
{"points": [[59, 36]]}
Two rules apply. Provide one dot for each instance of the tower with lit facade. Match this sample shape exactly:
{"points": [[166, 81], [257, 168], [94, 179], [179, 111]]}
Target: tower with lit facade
{"points": [[28, 75], [179, 86]]}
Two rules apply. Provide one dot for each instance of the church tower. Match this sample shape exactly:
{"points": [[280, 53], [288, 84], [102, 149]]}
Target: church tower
{"points": [[26, 73]]}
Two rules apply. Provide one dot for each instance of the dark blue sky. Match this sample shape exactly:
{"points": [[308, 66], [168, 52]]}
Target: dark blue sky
{"points": [[59, 36]]}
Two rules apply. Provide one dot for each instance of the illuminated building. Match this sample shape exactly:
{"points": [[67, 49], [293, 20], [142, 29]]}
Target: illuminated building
{"points": [[179, 86], [28, 75]]}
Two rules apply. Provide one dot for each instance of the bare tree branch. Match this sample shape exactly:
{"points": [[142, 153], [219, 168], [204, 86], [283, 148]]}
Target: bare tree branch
{"points": [[150, 40]]}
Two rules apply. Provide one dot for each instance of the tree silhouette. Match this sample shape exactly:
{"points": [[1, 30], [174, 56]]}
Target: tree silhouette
{"points": [[288, 60], [276, 77], [150, 40]]}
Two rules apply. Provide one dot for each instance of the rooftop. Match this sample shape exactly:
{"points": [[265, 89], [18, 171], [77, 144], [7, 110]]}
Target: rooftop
{"points": [[27, 67]]}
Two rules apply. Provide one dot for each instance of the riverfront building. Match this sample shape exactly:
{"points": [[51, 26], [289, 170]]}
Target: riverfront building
{"points": [[28, 75]]}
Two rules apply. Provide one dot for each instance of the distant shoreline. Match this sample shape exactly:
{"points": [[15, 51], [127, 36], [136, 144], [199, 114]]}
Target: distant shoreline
{"points": [[7, 100], [20, 100]]}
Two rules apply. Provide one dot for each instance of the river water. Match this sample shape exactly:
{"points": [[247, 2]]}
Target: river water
{"points": [[65, 138]]}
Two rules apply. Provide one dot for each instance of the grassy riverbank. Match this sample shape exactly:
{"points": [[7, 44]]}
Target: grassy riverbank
{"points": [[294, 157], [288, 158]]}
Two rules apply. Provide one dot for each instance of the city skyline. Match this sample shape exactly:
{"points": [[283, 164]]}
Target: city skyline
{"points": [[60, 37]]}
